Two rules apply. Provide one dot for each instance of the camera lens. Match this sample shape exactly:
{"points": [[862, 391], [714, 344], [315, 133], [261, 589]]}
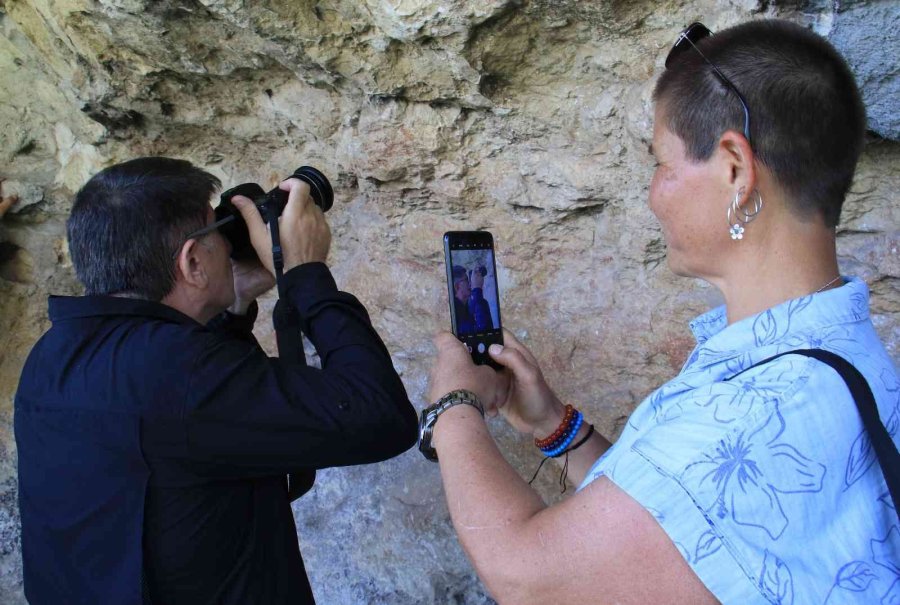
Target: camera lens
{"points": [[319, 187]]}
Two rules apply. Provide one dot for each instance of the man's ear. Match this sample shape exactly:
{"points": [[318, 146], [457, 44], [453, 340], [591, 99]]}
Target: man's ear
{"points": [[738, 162], [190, 265]]}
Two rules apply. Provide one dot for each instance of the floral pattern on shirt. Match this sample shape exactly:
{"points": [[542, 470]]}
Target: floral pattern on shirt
{"points": [[751, 471], [764, 478]]}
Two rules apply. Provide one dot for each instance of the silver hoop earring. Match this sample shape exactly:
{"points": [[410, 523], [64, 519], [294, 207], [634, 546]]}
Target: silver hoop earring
{"points": [[735, 215]]}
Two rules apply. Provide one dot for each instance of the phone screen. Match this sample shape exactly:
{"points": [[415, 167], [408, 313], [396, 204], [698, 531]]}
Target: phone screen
{"points": [[473, 292]]}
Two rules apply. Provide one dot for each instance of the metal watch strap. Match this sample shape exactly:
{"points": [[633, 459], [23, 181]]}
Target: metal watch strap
{"points": [[433, 412], [457, 397]]}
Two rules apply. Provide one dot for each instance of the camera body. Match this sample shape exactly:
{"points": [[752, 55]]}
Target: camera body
{"points": [[271, 204]]}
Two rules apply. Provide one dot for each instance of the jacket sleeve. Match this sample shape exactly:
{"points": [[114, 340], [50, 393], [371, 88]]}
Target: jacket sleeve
{"points": [[248, 414], [236, 326], [480, 310]]}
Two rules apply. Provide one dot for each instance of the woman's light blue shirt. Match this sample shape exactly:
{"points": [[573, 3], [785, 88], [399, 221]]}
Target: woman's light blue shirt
{"points": [[767, 483]]}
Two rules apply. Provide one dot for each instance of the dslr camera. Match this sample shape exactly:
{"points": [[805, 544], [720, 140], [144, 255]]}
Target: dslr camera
{"points": [[270, 205]]}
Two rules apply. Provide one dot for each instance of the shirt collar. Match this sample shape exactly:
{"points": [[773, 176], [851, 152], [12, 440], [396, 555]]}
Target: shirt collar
{"points": [[62, 308], [850, 302]]}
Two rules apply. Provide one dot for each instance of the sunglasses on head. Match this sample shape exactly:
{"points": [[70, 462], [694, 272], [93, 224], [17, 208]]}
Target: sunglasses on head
{"points": [[688, 39]]}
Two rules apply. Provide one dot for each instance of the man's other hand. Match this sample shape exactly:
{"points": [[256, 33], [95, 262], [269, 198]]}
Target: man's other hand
{"points": [[251, 280], [305, 235], [477, 279]]}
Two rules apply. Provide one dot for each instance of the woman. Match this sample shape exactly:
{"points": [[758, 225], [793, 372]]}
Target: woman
{"points": [[734, 482]]}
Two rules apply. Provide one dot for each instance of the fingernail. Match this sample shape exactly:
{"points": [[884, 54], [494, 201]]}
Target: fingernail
{"points": [[496, 349]]}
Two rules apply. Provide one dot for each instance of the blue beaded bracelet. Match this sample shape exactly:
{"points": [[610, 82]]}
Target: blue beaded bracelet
{"points": [[568, 439], [564, 435]]}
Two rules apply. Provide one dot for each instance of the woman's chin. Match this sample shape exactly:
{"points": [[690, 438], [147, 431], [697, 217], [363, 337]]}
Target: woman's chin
{"points": [[678, 266]]}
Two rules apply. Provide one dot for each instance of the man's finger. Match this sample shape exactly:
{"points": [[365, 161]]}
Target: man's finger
{"points": [[298, 196], [259, 233]]}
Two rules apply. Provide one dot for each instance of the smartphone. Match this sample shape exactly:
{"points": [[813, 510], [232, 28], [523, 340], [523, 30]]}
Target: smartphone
{"points": [[473, 292]]}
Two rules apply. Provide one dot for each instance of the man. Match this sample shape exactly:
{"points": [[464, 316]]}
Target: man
{"points": [[473, 314], [154, 449]]}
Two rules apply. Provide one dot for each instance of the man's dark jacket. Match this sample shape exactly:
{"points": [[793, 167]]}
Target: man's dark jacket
{"points": [[474, 315], [152, 445]]}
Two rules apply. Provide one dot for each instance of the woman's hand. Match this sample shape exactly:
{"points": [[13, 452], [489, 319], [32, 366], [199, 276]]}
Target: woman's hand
{"points": [[528, 404], [453, 369]]}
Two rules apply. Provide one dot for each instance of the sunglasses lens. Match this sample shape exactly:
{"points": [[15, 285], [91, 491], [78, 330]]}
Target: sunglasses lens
{"points": [[691, 35]]}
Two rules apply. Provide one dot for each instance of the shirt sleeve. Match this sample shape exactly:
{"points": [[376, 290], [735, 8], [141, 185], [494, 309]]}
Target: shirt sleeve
{"points": [[480, 310], [248, 414], [688, 527], [236, 326]]}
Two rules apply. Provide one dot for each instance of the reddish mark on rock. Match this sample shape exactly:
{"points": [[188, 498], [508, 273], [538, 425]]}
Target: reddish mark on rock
{"points": [[676, 349]]}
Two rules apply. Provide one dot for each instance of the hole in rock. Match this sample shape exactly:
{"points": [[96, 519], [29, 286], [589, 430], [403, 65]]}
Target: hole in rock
{"points": [[16, 264]]}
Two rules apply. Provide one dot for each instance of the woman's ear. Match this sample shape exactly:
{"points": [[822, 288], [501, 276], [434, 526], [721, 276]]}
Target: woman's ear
{"points": [[738, 159], [190, 266]]}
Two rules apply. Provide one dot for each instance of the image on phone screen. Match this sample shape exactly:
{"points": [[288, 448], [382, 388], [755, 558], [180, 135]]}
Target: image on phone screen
{"points": [[472, 287], [474, 292]]}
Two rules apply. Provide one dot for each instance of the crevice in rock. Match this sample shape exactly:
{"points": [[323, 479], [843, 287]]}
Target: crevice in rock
{"points": [[26, 148], [16, 264], [113, 118]]}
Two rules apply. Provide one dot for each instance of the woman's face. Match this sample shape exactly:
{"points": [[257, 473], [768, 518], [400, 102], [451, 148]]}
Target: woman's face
{"points": [[690, 199]]}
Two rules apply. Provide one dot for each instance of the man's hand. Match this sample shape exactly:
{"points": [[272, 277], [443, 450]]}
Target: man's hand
{"points": [[6, 202], [528, 404], [477, 279], [305, 235], [251, 280], [453, 369]]}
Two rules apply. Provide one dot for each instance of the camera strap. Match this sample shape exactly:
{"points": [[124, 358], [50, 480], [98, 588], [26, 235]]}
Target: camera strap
{"points": [[289, 337], [287, 325]]}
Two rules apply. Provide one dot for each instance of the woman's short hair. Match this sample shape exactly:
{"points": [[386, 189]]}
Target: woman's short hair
{"points": [[128, 221], [807, 120]]}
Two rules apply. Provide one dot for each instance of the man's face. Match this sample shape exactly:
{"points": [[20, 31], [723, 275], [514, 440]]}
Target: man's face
{"points": [[215, 251], [462, 288]]}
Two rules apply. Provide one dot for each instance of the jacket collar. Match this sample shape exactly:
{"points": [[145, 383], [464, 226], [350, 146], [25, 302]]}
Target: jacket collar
{"points": [[62, 308]]}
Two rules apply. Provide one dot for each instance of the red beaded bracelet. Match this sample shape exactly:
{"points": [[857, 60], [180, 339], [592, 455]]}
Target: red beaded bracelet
{"points": [[548, 441]]}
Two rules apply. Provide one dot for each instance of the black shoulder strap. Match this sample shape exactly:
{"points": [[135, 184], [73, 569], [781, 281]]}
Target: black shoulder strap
{"points": [[884, 447]]}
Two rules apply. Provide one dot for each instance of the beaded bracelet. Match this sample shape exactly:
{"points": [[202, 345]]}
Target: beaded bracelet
{"points": [[565, 470], [581, 441], [559, 432], [570, 437], [564, 435], [567, 433]]}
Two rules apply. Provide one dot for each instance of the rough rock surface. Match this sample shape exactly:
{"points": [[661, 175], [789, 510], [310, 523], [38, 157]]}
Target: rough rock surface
{"points": [[526, 117]]}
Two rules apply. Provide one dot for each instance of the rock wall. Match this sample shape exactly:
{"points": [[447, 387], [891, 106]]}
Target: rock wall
{"points": [[529, 118]]}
